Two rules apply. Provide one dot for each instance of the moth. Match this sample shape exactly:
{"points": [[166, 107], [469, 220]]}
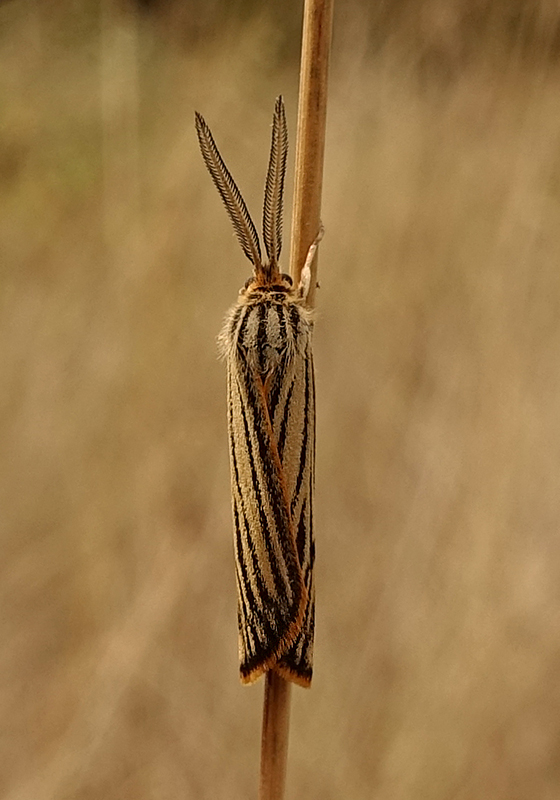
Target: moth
{"points": [[266, 342]]}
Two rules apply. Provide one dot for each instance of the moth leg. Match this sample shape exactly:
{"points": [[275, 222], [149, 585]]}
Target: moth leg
{"points": [[305, 280]]}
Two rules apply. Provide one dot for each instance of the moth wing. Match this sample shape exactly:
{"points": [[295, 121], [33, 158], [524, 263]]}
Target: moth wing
{"points": [[294, 425], [297, 663], [272, 598]]}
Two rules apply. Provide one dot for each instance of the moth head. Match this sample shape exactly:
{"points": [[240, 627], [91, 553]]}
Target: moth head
{"points": [[256, 285]]}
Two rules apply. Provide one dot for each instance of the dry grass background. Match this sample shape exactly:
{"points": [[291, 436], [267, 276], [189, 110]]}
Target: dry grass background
{"points": [[438, 368]]}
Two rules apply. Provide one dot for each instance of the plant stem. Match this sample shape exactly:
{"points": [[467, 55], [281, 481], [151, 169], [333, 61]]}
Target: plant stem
{"points": [[306, 220], [274, 743], [310, 146]]}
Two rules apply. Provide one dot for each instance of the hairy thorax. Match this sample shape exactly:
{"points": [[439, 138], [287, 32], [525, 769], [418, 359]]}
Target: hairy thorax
{"points": [[267, 327]]}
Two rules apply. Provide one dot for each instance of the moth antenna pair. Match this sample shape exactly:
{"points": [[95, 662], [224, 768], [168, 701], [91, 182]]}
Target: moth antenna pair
{"points": [[235, 205]]}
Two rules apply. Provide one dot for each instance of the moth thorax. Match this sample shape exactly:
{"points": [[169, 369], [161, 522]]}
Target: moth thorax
{"points": [[270, 332]]}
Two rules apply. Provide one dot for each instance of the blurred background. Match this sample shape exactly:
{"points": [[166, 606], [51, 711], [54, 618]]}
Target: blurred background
{"points": [[438, 375]]}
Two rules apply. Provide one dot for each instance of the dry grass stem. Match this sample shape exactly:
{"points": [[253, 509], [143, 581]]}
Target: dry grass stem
{"points": [[275, 730], [310, 148]]}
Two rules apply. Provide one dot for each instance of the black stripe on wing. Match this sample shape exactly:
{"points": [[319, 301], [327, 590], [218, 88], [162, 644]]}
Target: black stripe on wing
{"points": [[306, 454]]}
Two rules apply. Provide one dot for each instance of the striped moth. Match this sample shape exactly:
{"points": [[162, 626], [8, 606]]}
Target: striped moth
{"points": [[266, 342]]}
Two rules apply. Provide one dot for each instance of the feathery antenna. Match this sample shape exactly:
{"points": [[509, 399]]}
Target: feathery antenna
{"points": [[274, 187], [233, 201]]}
